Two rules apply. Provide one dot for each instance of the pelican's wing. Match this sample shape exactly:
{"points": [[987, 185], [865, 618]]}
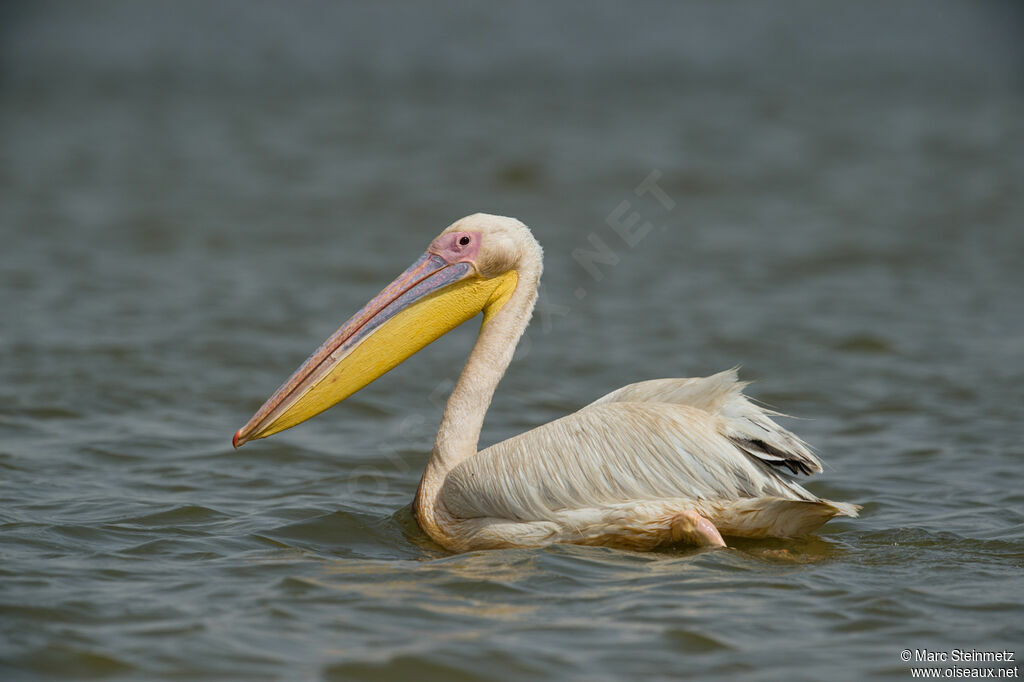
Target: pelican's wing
{"points": [[616, 451], [750, 427]]}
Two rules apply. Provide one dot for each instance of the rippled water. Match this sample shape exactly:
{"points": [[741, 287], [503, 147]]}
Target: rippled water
{"points": [[193, 197]]}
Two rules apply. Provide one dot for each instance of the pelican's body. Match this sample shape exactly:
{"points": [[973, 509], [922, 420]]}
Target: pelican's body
{"points": [[655, 463]]}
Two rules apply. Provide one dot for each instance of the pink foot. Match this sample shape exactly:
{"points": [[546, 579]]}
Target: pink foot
{"points": [[689, 526]]}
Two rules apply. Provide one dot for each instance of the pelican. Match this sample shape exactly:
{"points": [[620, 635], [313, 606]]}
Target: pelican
{"points": [[668, 461]]}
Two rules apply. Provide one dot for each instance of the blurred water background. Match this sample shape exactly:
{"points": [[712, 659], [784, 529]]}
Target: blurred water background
{"points": [[193, 195]]}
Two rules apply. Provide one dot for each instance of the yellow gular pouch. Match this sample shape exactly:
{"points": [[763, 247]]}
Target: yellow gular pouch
{"points": [[394, 341]]}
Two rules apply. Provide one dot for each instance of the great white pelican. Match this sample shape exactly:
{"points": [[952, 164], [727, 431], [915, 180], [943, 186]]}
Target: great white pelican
{"points": [[651, 464]]}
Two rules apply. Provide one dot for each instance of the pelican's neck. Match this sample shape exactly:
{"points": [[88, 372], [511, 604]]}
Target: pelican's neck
{"points": [[459, 433], [463, 418]]}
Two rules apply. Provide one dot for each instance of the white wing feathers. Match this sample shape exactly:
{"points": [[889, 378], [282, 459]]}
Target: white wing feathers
{"points": [[679, 439], [750, 427]]}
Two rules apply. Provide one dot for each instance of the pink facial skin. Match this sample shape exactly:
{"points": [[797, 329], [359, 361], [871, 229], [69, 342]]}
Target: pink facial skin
{"points": [[457, 247]]}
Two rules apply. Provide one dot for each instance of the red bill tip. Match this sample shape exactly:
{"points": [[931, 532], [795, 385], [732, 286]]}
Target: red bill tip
{"points": [[234, 440]]}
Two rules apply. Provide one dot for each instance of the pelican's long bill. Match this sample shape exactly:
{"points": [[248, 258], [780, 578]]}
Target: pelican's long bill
{"points": [[429, 299]]}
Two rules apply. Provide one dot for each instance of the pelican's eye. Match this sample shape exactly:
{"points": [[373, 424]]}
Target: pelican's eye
{"points": [[463, 241]]}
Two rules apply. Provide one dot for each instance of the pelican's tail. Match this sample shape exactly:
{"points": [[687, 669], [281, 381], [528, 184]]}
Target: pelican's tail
{"points": [[777, 517], [844, 508]]}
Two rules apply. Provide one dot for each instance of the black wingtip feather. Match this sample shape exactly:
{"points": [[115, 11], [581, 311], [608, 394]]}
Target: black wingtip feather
{"points": [[755, 447]]}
